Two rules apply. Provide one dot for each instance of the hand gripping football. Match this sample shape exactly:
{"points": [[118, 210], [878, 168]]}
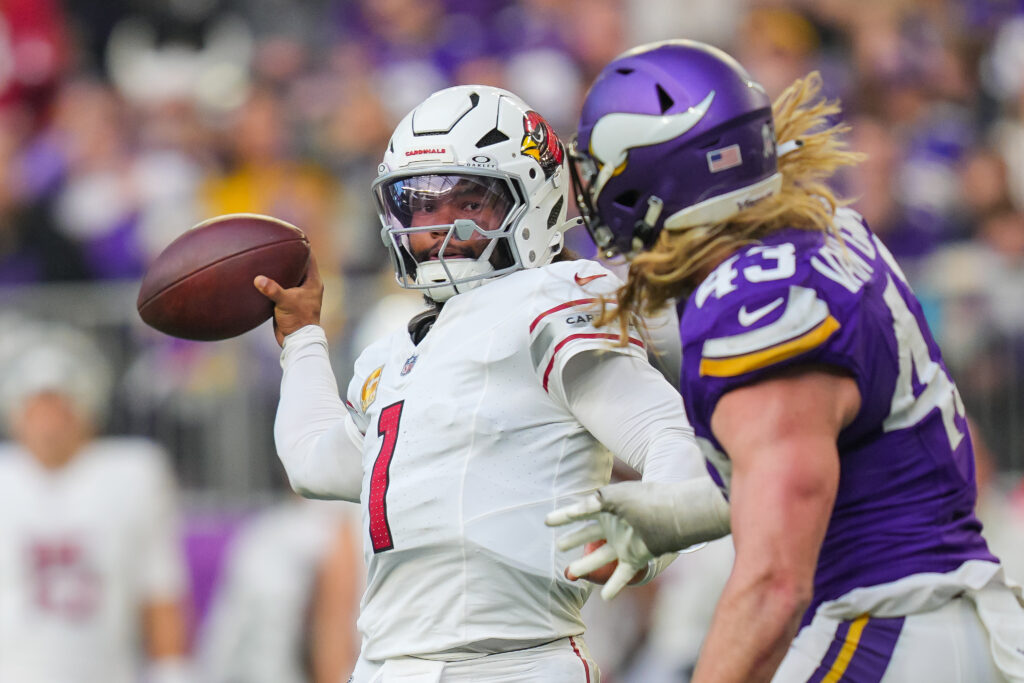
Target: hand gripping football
{"points": [[200, 286]]}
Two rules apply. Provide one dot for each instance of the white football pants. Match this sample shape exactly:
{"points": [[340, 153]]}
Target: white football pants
{"points": [[565, 660], [949, 644]]}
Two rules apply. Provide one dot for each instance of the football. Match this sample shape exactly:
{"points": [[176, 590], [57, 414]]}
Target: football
{"points": [[200, 286]]}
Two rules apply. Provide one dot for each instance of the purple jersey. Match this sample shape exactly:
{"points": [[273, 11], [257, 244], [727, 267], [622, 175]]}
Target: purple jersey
{"points": [[905, 503]]}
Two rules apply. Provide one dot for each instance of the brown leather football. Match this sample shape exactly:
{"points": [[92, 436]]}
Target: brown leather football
{"points": [[200, 286]]}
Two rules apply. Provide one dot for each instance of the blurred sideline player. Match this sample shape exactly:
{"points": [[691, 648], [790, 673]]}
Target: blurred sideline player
{"points": [[813, 383], [1000, 508], [459, 434], [91, 569], [286, 604], [653, 633], [339, 582]]}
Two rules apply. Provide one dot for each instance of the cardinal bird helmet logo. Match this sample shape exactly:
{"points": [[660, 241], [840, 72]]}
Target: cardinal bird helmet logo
{"points": [[541, 143]]}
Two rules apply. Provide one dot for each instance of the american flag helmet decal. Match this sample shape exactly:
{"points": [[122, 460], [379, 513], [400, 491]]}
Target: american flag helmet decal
{"points": [[722, 159]]}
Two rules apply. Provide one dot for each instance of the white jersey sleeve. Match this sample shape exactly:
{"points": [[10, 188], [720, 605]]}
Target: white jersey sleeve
{"points": [[664, 348], [318, 440], [567, 302], [645, 425], [162, 564]]}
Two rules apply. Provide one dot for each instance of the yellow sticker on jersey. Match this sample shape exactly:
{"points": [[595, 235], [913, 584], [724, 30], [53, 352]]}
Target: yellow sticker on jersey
{"points": [[369, 392]]}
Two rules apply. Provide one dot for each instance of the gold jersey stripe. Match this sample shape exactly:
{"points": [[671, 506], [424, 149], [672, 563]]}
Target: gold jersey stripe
{"points": [[737, 365], [846, 653]]}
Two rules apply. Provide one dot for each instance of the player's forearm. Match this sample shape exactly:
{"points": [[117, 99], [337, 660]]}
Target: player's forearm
{"points": [[778, 525], [334, 642], [163, 625], [757, 617], [781, 438], [312, 437]]}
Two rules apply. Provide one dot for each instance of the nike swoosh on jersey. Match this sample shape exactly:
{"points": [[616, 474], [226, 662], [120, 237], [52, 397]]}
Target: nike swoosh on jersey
{"points": [[748, 318], [805, 324], [584, 280]]}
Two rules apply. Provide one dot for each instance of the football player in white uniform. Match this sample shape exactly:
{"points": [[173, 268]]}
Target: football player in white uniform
{"points": [[267, 620], [91, 571], [459, 435]]}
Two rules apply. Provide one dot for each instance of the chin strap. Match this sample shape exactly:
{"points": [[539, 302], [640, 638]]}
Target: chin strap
{"points": [[644, 230], [569, 225]]}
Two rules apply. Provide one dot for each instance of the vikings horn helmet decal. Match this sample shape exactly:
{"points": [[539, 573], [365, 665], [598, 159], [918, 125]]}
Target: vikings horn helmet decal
{"points": [[615, 134], [672, 135]]}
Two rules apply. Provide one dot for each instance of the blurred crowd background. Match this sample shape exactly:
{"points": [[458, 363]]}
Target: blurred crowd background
{"points": [[125, 122]]}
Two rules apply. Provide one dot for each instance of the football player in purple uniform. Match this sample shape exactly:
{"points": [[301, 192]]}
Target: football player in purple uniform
{"points": [[818, 395]]}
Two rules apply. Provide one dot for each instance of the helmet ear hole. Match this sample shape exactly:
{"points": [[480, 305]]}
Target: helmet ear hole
{"points": [[665, 101], [556, 210], [492, 137]]}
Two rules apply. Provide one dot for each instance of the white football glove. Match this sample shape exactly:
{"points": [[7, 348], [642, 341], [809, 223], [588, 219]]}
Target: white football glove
{"points": [[640, 521], [623, 544]]}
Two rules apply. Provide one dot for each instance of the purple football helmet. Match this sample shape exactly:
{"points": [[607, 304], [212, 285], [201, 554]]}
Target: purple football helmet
{"points": [[672, 135]]}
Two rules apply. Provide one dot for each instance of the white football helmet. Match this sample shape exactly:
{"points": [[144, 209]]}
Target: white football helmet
{"points": [[47, 358], [471, 163]]}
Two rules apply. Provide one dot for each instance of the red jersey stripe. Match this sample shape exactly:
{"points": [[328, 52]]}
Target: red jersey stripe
{"points": [[559, 307], [586, 667], [559, 345]]}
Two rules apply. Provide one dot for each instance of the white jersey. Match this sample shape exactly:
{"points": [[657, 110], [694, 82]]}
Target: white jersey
{"points": [[82, 548], [468, 445]]}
